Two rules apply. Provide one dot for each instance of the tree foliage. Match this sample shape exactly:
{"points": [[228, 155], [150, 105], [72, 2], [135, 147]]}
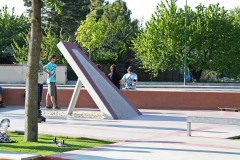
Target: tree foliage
{"points": [[110, 34], [212, 40], [12, 27], [160, 45], [20, 51], [66, 21], [49, 46]]}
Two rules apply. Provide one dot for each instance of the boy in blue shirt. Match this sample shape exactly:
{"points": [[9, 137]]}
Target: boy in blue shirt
{"points": [[50, 69]]}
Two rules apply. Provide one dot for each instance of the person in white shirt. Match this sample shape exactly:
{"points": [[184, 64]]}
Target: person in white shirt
{"points": [[129, 79]]}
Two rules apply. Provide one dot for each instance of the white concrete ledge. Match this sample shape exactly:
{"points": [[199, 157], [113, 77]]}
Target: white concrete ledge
{"points": [[210, 120]]}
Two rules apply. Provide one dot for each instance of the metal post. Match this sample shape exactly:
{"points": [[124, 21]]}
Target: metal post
{"points": [[74, 97], [185, 44], [188, 128]]}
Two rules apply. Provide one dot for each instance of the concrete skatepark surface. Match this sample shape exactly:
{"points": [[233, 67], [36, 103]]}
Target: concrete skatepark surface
{"points": [[156, 135]]}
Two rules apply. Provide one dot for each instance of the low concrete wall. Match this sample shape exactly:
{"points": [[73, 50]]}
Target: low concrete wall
{"points": [[15, 74], [142, 99]]}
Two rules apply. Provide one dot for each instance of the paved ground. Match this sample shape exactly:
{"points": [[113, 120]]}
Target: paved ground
{"points": [[158, 134]]}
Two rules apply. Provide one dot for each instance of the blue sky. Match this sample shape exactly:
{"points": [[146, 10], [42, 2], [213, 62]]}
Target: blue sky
{"points": [[141, 9]]}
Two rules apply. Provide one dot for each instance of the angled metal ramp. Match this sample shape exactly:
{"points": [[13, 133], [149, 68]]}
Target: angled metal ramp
{"points": [[108, 98]]}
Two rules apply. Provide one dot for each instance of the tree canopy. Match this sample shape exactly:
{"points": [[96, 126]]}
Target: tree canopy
{"points": [[213, 42], [11, 28], [49, 46], [108, 36], [67, 21]]}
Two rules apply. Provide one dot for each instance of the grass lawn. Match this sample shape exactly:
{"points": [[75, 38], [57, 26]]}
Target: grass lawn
{"points": [[45, 147]]}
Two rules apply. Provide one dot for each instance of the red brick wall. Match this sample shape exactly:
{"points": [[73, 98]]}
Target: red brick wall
{"points": [[142, 99]]}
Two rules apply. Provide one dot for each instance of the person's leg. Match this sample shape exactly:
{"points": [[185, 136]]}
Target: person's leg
{"points": [[53, 101], [40, 88], [40, 117], [52, 94], [48, 96], [47, 101], [56, 98], [1, 90]]}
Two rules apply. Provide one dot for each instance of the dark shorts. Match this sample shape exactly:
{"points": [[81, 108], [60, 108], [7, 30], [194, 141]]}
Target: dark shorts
{"points": [[52, 89]]}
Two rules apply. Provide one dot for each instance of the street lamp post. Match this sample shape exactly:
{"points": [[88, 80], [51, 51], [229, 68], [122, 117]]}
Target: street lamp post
{"points": [[185, 44]]}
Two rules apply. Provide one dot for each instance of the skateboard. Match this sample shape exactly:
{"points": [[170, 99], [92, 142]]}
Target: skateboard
{"points": [[59, 144], [229, 109], [4, 138]]}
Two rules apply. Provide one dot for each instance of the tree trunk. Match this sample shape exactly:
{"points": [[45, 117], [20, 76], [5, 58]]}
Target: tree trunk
{"points": [[31, 111]]}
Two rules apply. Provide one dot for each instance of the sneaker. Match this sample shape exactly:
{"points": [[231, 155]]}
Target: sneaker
{"points": [[56, 107], [48, 107]]}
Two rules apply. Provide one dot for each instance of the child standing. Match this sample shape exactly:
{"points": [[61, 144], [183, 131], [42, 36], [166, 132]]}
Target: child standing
{"points": [[50, 69]]}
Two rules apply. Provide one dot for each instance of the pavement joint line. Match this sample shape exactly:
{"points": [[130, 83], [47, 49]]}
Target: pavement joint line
{"points": [[179, 133], [214, 146], [86, 150], [101, 128]]}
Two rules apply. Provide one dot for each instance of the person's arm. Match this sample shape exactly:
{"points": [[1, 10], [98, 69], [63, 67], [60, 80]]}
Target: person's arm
{"points": [[123, 79], [109, 77], [136, 78], [45, 70], [119, 78]]}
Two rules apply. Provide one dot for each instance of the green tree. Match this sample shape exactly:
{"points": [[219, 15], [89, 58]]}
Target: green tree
{"points": [[49, 46], [72, 13], [212, 40], [160, 46], [96, 8], [20, 50], [110, 38], [11, 28]]}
